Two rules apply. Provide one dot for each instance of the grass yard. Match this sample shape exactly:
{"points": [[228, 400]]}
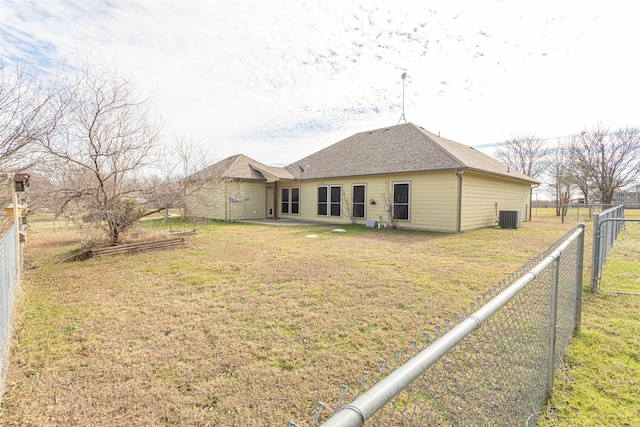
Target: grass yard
{"points": [[246, 324], [600, 383]]}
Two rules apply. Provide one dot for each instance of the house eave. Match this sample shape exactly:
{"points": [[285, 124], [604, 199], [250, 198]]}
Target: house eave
{"points": [[502, 175], [410, 172]]}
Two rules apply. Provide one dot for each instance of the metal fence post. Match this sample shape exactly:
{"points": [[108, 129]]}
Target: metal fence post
{"points": [[16, 226], [553, 323], [579, 273], [595, 252]]}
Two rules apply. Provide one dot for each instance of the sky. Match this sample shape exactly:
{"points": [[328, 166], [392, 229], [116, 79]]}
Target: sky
{"points": [[278, 80]]}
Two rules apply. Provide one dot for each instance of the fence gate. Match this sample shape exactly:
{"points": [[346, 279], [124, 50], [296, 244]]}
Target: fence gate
{"points": [[616, 256]]}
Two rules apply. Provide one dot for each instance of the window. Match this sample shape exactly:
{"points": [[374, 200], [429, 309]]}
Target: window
{"points": [[330, 200], [401, 201], [285, 201], [358, 201], [295, 200], [322, 201], [290, 200], [336, 200]]}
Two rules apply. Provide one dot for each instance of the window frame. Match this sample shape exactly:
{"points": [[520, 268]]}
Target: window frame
{"points": [[287, 206], [323, 203], [295, 201], [333, 202], [363, 203], [284, 204], [330, 202], [399, 204]]}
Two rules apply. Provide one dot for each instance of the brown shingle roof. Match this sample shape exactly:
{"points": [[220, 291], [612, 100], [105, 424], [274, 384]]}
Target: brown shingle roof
{"points": [[240, 167], [396, 149]]}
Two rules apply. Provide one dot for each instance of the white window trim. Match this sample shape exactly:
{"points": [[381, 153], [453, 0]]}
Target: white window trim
{"points": [[332, 203], [408, 201], [318, 201], [364, 202], [290, 201]]}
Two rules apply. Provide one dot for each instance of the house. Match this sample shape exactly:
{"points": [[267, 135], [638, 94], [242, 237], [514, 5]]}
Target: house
{"points": [[400, 175], [235, 188]]}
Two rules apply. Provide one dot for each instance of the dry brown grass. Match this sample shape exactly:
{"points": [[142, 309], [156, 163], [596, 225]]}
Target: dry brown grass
{"points": [[245, 325]]}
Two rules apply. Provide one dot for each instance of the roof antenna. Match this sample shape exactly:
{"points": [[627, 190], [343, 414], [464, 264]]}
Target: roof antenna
{"points": [[402, 117]]}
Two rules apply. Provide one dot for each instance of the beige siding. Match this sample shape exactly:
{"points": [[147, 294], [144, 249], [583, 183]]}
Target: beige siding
{"points": [[432, 200], [207, 201], [251, 204], [213, 200], [483, 195]]}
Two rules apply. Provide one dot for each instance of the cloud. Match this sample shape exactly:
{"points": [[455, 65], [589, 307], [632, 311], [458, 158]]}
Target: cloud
{"points": [[254, 76]]}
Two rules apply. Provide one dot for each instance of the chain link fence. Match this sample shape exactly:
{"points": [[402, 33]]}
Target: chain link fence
{"points": [[581, 212], [7, 292], [616, 253], [630, 199], [606, 226], [492, 364]]}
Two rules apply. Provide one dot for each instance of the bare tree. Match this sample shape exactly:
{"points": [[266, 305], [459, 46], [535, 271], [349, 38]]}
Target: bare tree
{"points": [[103, 150], [25, 113], [526, 154], [560, 173], [608, 159], [389, 205], [577, 167], [186, 158], [38, 196], [347, 207]]}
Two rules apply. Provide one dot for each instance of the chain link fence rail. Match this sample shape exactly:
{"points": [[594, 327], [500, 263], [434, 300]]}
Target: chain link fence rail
{"points": [[494, 366], [581, 212], [630, 199], [7, 291], [616, 253]]}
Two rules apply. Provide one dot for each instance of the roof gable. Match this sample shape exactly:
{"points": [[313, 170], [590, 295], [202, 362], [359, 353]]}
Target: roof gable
{"points": [[397, 149], [241, 167]]}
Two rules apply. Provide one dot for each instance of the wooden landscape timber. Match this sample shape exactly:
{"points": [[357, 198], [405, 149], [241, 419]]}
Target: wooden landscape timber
{"points": [[136, 247], [182, 233]]}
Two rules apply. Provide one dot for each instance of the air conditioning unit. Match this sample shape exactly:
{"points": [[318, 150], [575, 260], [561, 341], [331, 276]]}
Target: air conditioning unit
{"points": [[509, 219]]}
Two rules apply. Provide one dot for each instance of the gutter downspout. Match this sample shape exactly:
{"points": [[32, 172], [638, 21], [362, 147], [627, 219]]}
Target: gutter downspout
{"points": [[459, 173], [531, 200]]}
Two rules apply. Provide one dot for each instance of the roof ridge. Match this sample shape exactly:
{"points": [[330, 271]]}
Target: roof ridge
{"points": [[448, 153], [401, 148]]}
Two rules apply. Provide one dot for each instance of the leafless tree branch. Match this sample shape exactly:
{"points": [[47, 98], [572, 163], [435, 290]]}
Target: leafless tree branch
{"points": [[527, 154]]}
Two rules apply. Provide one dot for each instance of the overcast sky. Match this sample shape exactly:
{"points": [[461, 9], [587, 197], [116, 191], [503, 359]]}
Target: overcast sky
{"points": [[277, 80]]}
